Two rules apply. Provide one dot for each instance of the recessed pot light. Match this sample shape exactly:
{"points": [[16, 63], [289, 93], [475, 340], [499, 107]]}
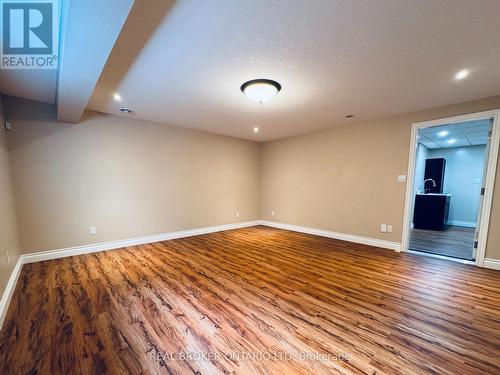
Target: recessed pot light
{"points": [[261, 90], [443, 133], [462, 74], [349, 116], [125, 110], [256, 130], [451, 141], [117, 97]]}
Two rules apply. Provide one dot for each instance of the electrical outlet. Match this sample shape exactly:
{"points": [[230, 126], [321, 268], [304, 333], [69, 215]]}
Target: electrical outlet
{"points": [[92, 230], [383, 228], [389, 228]]}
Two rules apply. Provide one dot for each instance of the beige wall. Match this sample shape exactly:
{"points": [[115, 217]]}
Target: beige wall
{"points": [[344, 179], [8, 227], [128, 178], [132, 178]]}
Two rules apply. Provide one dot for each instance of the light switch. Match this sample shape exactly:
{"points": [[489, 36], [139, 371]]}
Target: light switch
{"points": [[401, 178], [92, 230], [383, 228]]}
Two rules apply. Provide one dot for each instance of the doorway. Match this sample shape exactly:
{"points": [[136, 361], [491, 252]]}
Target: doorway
{"points": [[450, 184]]}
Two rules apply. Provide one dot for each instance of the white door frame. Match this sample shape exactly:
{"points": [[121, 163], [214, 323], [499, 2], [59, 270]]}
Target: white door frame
{"points": [[490, 176]]}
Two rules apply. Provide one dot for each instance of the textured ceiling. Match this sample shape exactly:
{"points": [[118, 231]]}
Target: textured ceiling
{"points": [[334, 57], [183, 64]]}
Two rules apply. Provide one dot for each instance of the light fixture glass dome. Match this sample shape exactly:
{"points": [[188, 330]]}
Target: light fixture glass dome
{"points": [[261, 90]]}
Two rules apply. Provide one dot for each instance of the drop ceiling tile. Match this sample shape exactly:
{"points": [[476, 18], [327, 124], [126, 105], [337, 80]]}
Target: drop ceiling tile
{"points": [[480, 128], [423, 140], [459, 143], [446, 127], [456, 137], [475, 134], [465, 134], [433, 134], [478, 141], [429, 144], [479, 124]]}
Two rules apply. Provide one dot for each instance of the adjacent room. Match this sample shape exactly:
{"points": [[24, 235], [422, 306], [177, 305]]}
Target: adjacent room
{"points": [[449, 186], [249, 187]]}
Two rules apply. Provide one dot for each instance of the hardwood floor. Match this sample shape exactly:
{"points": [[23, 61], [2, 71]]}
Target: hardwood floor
{"points": [[234, 296], [454, 241]]}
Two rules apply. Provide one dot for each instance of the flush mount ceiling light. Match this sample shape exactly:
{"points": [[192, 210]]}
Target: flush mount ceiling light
{"points": [[462, 74], [261, 90], [451, 141], [125, 110], [256, 130], [443, 133], [117, 97]]}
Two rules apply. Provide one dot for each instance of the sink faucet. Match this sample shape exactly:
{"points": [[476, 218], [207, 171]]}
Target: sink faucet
{"points": [[431, 180]]}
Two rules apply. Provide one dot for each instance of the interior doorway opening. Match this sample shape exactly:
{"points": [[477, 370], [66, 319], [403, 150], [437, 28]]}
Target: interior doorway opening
{"points": [[450, 184]]}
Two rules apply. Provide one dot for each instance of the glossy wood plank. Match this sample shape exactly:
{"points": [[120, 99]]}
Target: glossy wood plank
{"points": [[240, 297]]}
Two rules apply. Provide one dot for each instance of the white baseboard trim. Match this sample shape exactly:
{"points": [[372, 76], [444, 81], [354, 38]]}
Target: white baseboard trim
{"points": [[494, 264], [87, 249], [467, 224], [338, 236], [92, 248], [9, 290]]}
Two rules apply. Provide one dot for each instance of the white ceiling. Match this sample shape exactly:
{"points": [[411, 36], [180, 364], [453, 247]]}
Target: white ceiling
{"points": [[332, 57], [94, 25], [37, 85], [88, 32], [182, 63], [470, 133]]}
